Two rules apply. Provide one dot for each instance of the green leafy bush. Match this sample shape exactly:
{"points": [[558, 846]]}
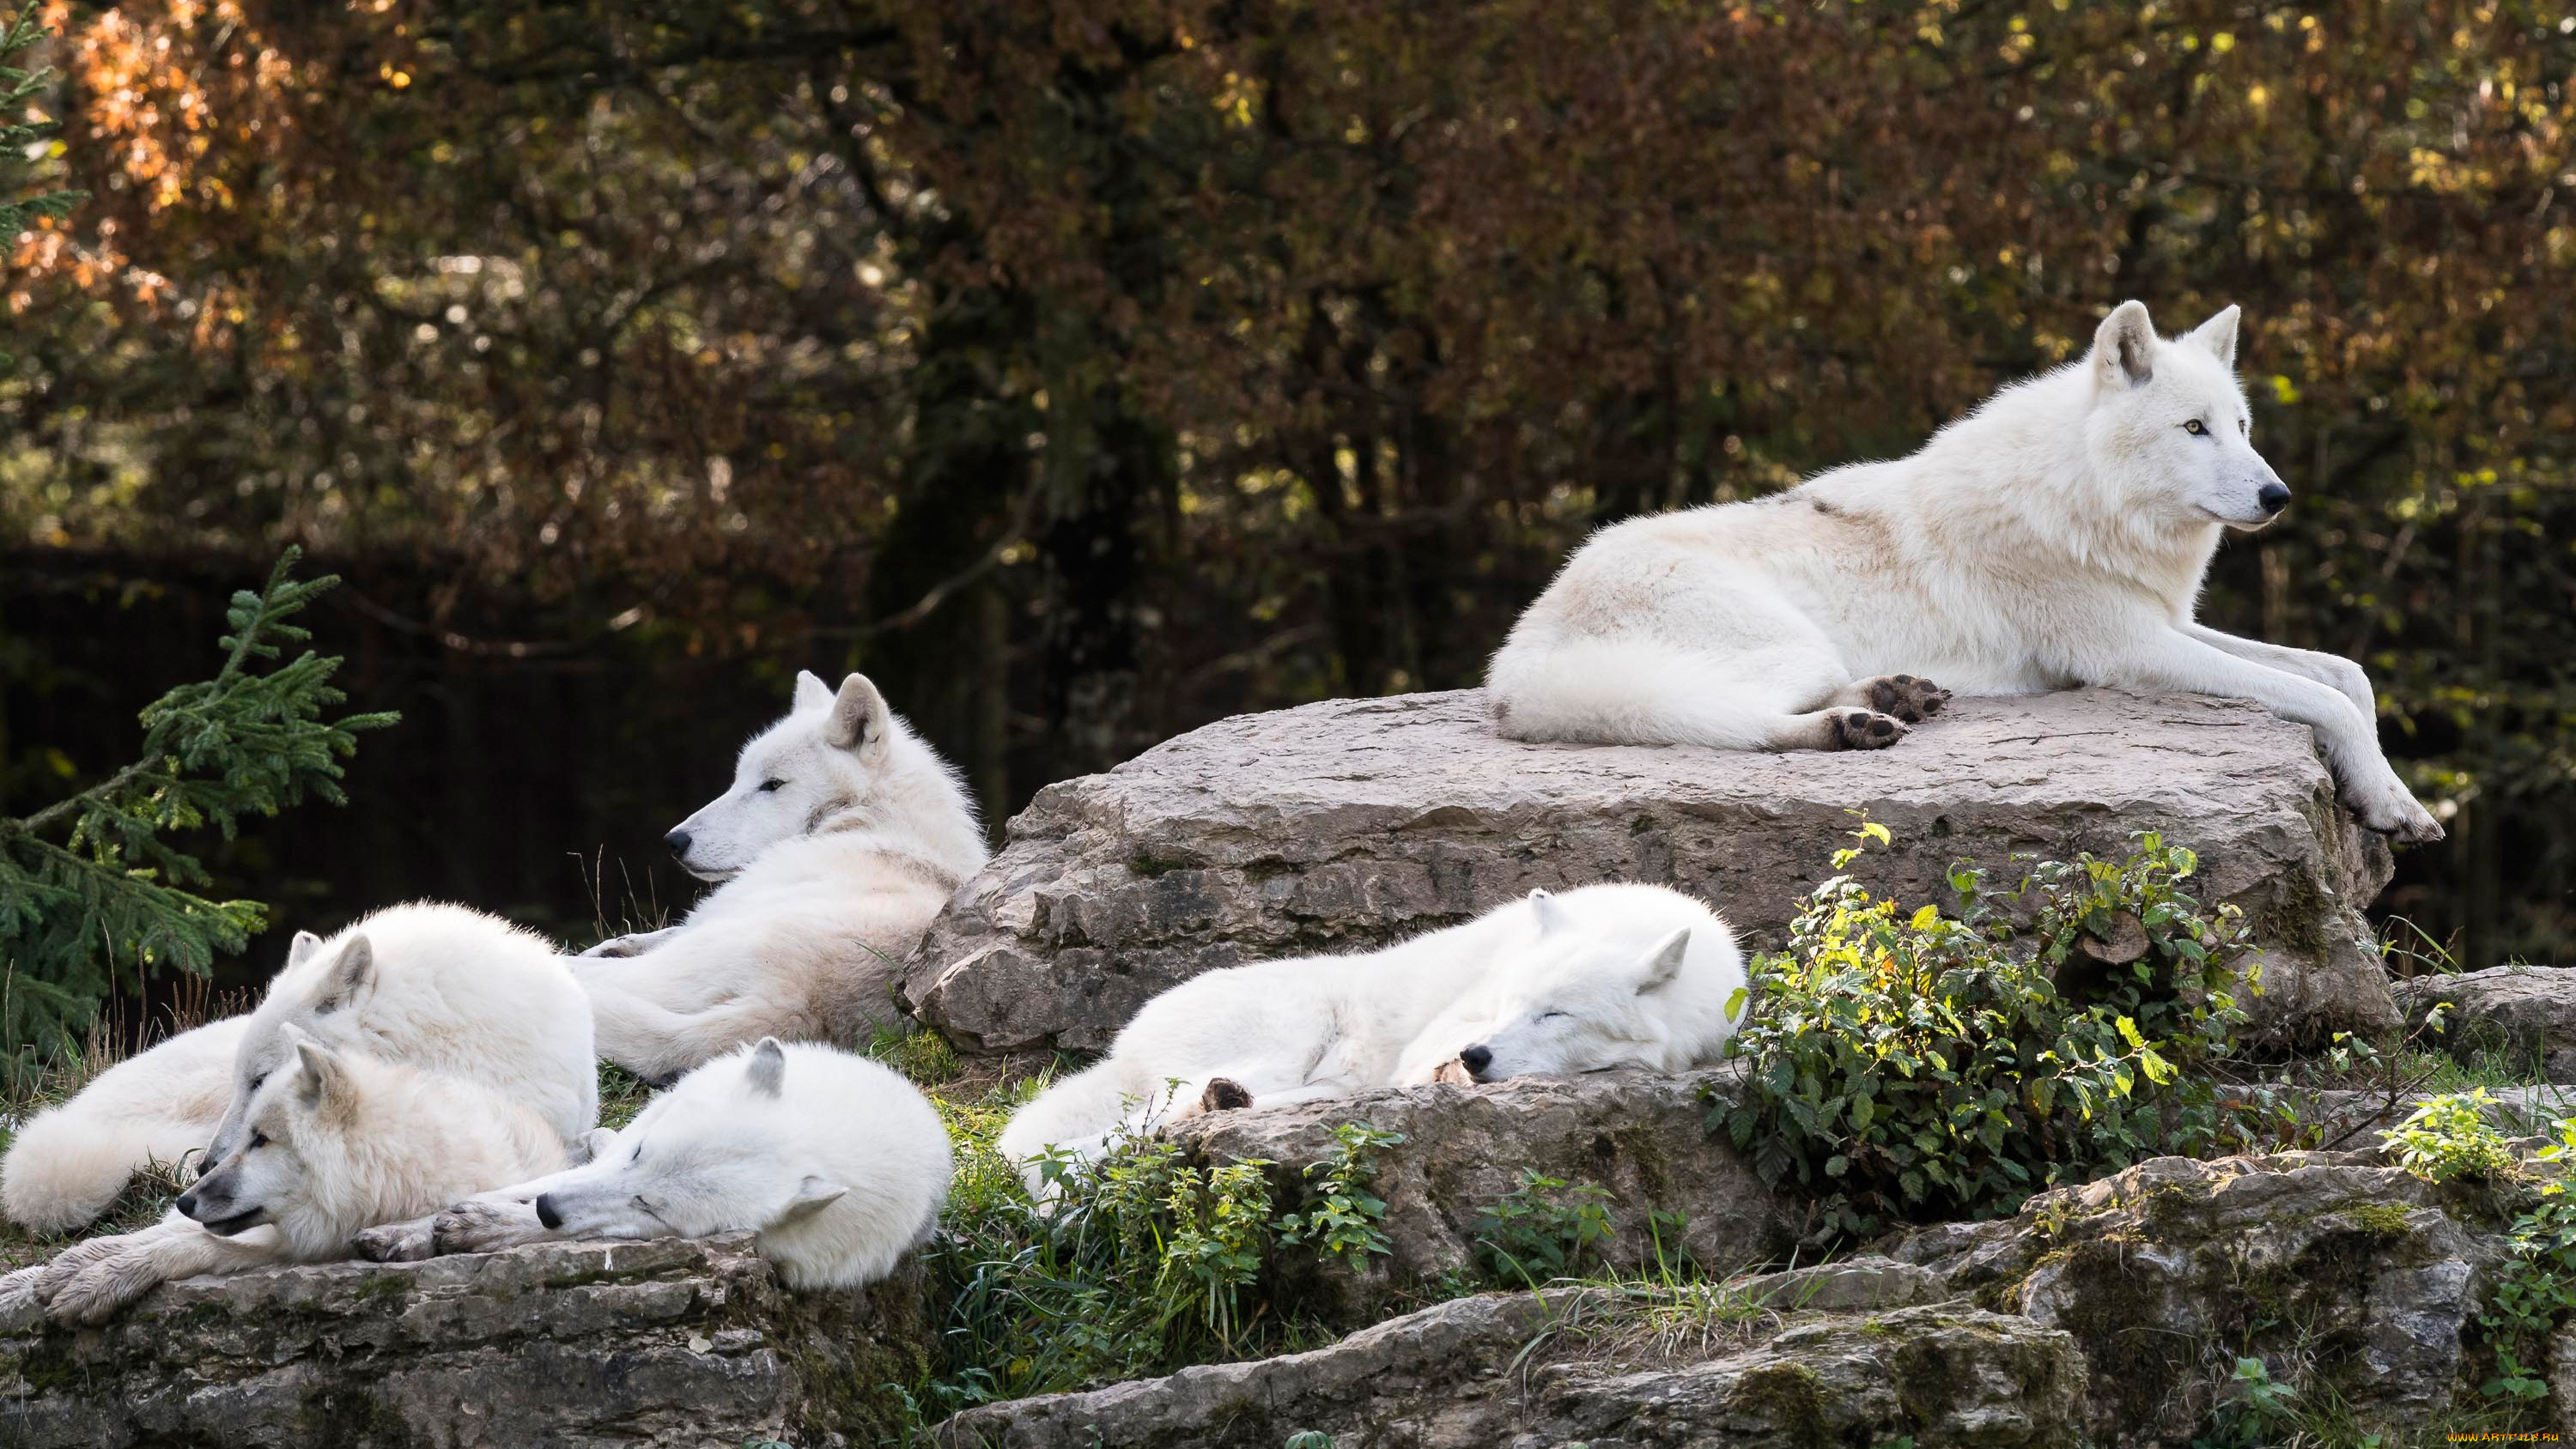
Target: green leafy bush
{"points": [[88, 885], [1909, 1065], [1541, 1230], [2536, 1289], [2449, 1136]]}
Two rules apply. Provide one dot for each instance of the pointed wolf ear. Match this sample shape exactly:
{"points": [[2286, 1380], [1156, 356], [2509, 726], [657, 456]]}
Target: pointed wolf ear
{"points": [[768, 1071], [860, 720], [2124, 348], [1549, 915], [305, 944], [1664, 962], [2218, 334], [811, 693], [348, 978], [324, 1077], [812, 1196]]}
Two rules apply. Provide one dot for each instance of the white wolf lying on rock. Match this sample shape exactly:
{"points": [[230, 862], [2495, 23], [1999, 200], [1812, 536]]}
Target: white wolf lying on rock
{"points": [[440, 987], [842, 836], [1603, 976], [840, 1165], [2055, 537], [331, 1142]]}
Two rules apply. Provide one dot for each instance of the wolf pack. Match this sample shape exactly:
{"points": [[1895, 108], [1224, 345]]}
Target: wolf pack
{"points": [[424, 1082]]}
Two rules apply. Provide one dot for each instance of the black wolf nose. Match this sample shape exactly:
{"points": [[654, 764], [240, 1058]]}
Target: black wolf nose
{"points": [[2273, 497], [546, 1205], [188, 1204], [1476, 1058], [678, 840]]}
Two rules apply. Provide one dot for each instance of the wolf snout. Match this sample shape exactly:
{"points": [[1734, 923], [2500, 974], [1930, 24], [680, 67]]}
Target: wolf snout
{"points": [[2272, 497], [678, 840], [1475, 1059], [546, 1212], [188, 1205]]}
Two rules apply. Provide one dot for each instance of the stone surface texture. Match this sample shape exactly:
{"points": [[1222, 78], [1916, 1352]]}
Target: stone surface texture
{"points": [[2527, 1013], [2333, 1270], [1641, 1135], [1347, 824], [1466, 1375], [641, 1345]]}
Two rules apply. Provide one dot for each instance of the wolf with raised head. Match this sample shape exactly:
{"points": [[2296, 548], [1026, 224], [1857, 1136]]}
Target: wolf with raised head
{"points": [[841, 837], [839, 1165], [2054, 538], [1598, 977], [332, 1141]]}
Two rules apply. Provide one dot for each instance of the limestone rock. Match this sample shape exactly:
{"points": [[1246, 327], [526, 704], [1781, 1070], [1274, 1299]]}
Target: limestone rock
{"points": [[2528, 1013], [1351, 823], [2341, 1275], [665, 1343], [1641, 1135], [1520, 1371]]}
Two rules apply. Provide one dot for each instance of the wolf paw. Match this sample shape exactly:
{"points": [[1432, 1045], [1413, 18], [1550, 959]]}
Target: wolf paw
{"points": [[1224, 1094], [479, 1225], [2398, 815], [1911, 699], [1861, 729], [395, 1242]]}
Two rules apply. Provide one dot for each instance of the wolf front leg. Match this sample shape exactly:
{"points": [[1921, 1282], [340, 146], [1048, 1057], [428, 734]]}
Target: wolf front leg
{"points": [[153, 1257], [2332, 670], [631, 945], [655, 1042], [2171, 659]]}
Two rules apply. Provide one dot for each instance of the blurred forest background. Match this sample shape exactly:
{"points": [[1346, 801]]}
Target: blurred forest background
{"points": [[1085, 372]]}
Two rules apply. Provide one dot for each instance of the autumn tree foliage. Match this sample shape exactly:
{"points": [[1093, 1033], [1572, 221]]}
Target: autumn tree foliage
{"points": [[1087, 370]]}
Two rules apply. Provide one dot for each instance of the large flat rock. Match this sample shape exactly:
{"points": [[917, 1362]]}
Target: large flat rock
{"points": [[2527, 1014], [561, 1345], [1347, 824]]}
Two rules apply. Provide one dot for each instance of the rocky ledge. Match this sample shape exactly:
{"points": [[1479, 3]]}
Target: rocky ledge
{"points": [[1351, 823], [2527, 1014], [664, 1343]]}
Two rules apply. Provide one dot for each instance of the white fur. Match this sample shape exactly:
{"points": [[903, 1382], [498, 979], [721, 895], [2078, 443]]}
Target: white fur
{"points": [[438, 987], [333, 1142], [841, 838], [2056, 537], [1568, 983], [838, 1164], [67, 1164]]}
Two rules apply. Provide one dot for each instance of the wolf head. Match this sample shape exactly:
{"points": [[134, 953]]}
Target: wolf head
{"points": [[710, 1155], [2169, 429], [1577, 1000], [831, 754], [300, 1130], [302, 1001]]}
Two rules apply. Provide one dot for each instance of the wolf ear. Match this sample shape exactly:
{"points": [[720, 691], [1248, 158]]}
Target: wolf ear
{"points": [[349, 978], [2124, 348], [2218, 334], [860, 720], [812, 1196], [768, 1072], [1664, 962], [304, 944], [1550, 915], [811, 693], [325, 1078]]}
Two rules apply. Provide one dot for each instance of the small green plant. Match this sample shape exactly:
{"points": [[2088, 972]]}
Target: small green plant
{"points": [[89, 886], [2537, 1287], [1342, 1216], [1310, 1439], [2257, 1409], [1542, 1229], [2449, 1136], [1918, 1064]]}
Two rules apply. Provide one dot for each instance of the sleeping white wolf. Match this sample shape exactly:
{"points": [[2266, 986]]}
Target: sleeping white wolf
{"points": [[841, 837], [2055, 537], [331, 1141], [440, 987], [1602, 976], [838, 1164]]}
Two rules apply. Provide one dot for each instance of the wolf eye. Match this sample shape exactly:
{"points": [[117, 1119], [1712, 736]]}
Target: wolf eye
{"points": [[637, 1155], [771, 787], [2196, 428], [1550, 1015], [258, 1140], [259, 1081]]}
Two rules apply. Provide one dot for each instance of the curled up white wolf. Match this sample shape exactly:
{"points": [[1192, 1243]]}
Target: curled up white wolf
{"points": [[840, 838], [1601, 976], [2055, 537]]}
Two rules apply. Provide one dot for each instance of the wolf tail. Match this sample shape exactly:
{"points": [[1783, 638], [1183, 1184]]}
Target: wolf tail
{"points": [[67, 1165], [1647, 692]]}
